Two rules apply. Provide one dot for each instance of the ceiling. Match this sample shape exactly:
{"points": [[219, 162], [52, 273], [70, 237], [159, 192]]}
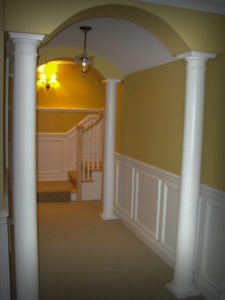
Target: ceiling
{"points": [[128, 46]]}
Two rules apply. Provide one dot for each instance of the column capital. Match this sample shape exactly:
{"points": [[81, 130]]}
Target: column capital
{"points": [[112, 80], [15, 36], [196, 55], [25, 42]]}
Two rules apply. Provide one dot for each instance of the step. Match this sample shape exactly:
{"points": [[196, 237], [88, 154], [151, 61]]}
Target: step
{"points": [[54, 191]]}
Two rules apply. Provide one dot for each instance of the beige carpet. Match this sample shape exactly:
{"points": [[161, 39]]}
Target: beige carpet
{"points": [[83, 257]]}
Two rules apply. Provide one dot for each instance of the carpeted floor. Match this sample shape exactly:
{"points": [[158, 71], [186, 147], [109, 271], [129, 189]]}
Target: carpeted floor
{"points": [[83, 257]]}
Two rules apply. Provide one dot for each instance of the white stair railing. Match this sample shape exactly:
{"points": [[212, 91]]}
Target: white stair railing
{"points": [[89, 149]]}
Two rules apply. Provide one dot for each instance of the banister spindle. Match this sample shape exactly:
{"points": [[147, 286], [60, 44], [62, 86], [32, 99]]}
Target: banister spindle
{"points": [[79, 162]]}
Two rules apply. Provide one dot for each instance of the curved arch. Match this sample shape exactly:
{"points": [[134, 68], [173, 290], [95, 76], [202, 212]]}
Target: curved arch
{"points": [[102, 65], [164, 32]]}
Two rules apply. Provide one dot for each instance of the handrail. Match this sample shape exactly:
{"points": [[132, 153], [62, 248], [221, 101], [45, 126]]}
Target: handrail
{"points": [[94, 122]]}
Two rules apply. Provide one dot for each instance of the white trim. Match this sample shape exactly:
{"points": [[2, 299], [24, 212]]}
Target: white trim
{"points": [[64, 110], [4, 257], [26, 36], [146, 238], [57, 152], [196, 54], [211, 6], [208, 279]]}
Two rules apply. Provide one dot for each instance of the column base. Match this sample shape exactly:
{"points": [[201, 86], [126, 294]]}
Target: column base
{"points": [[182, 293], [108, 217]]}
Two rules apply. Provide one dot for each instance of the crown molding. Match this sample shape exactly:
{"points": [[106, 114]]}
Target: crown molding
{"points": [[211, 6]]}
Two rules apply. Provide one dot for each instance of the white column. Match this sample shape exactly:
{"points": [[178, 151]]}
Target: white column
{"points": [[24, 165], [183, 282], [109, 149]]}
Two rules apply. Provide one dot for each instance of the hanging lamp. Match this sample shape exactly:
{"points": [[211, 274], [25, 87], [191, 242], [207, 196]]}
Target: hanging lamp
{"points": [[83, 60]]}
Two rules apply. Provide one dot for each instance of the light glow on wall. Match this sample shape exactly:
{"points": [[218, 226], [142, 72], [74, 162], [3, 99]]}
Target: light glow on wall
{"points": [[47, 75]]}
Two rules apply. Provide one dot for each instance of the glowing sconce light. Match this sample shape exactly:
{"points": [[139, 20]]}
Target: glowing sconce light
{"points": [[47, 76]]}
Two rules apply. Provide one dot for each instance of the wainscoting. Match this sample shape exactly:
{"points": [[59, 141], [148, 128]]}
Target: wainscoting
{"points": [[4, 257], [147, 201], [57, 152]]}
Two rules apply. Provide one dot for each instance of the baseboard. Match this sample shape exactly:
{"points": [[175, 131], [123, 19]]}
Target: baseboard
{"points": [[146, 239]]}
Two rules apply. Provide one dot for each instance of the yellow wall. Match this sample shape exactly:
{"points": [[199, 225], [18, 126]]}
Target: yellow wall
{"points": [[152, 119], [152, 116], [58, 122], [74, 91], [119, 103], [1, 104], [213, 162]]}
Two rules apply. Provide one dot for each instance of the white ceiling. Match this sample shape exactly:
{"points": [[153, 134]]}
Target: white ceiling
{"points": [[128, 46]]}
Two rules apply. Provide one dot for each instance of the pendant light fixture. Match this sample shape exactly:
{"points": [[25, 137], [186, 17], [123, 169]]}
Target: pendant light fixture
{"points": [[83, 60]]}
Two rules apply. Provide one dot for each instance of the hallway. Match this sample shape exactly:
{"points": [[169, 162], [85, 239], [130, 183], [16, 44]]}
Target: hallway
{"points": [[84, 257]]}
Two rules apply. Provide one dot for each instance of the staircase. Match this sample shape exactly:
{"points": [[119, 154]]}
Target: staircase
{"points": [[83, 172], [87, 178], [73, 173]]}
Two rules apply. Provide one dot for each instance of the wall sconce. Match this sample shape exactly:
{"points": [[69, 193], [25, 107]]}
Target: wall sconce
{"points": [[47, 76]]}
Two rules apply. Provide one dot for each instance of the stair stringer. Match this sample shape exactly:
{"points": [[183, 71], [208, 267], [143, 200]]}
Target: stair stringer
{"points": [[91, 190]]}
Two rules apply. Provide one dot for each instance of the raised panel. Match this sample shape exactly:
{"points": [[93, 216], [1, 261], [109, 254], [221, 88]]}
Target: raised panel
{"points": [[50, 155], [124, 199], [213, 249], [147, 202], [170, 216]]}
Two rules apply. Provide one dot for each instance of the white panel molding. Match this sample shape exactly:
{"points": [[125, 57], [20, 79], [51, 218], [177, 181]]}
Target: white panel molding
{"points": [[209, 269], [149, 237], [4, 257], [210, 252], [150, 178], [130, 213], [166, 201], [51, 157]]}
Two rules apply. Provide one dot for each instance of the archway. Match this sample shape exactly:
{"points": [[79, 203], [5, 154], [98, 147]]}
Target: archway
{"points": [[168, 36], [175, 47]]}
